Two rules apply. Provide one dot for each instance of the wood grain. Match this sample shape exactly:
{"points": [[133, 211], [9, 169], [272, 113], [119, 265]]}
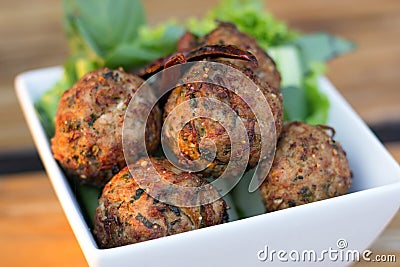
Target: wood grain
{"points": [[33, 227]]}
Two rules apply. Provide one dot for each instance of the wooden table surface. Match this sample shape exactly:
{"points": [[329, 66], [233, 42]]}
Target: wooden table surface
{"points": [[33, 228]]}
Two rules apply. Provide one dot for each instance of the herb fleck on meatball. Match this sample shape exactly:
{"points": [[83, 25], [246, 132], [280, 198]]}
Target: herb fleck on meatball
{"points": [[127, 214], [308, 166], [88, 125]]}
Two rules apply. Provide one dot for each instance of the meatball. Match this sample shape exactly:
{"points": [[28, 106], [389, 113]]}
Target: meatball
{"points": [[187, 42], [308, 166], [127, 214], [227, 33], [198, 130], [88, 125]]}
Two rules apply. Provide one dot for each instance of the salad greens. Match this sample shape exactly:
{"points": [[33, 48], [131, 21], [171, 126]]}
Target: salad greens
{"points": [[106, 33], [95, 29], [250, 17], [115, 34], [299, 58], [300, 63]]}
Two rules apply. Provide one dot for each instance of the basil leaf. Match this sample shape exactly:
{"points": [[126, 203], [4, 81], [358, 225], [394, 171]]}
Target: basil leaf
{"points": [[88, 200], [102, 25], [152, 43], [295, 103], [131, 56], [321, 47]]}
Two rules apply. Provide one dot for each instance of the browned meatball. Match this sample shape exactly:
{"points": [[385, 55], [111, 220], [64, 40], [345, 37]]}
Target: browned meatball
{"points": [[127, 214], [88, 125], [187, 42], [308, 166], [265, 76], [201, 129], [228, 34]]}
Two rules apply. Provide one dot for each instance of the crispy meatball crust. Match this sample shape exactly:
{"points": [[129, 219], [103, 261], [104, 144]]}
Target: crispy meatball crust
{"points": [[127, 214], [228, 34], [200, 129], [308, 166], [88, 125]]}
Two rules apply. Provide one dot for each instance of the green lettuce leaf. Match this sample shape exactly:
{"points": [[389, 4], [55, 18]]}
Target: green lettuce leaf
{"points": [[250, 17], [317, 102]]}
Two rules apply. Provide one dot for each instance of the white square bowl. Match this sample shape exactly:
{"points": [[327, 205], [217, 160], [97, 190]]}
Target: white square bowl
{"points": [[357, 217]]}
